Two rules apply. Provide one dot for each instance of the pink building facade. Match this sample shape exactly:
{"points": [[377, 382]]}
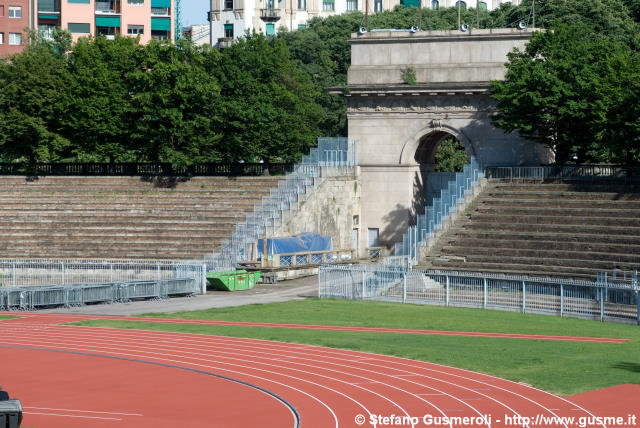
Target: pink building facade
{"points": [[148, 19], [16, 18]]}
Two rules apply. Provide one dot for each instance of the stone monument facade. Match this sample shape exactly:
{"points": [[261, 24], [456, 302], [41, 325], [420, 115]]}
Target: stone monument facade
{"points": [[398, 121]]}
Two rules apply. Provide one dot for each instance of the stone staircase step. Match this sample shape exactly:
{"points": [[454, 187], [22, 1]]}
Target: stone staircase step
{"points": [[563, 195], [560, 230], [558, 220], [558, 203], [544, 241], [123, 217], [553, 211], [633, 256], [552, 228]]}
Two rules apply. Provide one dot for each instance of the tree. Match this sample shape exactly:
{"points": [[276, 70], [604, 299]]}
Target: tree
{"points": [[269, 108], [450, 156], [99, 110], [565, 91], [175, 99], [34, 91]]}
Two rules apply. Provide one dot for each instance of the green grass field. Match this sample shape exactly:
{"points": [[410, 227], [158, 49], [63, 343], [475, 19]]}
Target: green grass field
{"points": [[561, 367]]}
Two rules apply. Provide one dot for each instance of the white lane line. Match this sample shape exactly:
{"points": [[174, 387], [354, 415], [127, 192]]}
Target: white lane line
{"points": [[315, 366], [183, 354], [216, 368], [439, 372], [73, 416], [83, 411]]}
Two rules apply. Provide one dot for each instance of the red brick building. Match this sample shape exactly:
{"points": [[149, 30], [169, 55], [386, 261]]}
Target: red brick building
{"points": [[16, 17]]}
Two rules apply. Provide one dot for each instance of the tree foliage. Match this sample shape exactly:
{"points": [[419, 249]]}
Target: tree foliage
{"points": [[269, 98], [33, 98], [450, 156], [576, 92], [268, 109], [118, 100]]}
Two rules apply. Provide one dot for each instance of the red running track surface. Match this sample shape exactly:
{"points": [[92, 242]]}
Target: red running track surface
{"points": [[68, 376]]}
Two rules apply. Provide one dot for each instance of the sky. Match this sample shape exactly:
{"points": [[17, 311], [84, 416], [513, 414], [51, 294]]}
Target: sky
{"points": [[194, 12]]}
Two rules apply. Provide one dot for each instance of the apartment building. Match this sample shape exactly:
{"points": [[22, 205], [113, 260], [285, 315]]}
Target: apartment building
{"points": [[16, 18], [230, 19], [149, 19]]}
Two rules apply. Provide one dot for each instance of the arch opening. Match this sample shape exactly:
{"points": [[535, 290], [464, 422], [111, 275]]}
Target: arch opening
{"points": [[439, 155]]}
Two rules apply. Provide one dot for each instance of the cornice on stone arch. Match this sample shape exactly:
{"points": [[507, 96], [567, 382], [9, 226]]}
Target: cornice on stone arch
{"points": [[410, 146]]}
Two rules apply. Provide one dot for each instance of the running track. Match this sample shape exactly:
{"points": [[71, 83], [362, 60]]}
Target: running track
{"points": [[69, 376]]}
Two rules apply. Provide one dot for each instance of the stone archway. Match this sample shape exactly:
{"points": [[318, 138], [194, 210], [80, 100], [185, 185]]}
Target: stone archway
{"points": [[399, 125], [427, 180], [420, 148]]}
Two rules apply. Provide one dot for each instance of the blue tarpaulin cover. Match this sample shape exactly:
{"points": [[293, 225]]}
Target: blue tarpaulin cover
{"points": [[303, 242]]}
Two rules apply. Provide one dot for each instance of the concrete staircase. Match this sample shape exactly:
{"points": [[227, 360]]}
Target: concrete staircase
{"points": [[558, 230], [123, 217]]}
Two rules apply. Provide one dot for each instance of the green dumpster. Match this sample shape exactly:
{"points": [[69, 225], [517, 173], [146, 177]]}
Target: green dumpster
{"points": [[234, 280]]}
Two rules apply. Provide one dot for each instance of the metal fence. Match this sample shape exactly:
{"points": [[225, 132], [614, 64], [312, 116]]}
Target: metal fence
{"points": [[39, 272], [38, 296], [146, 169], [438, 211], [582, 173], [333, 156], [604, 301]]}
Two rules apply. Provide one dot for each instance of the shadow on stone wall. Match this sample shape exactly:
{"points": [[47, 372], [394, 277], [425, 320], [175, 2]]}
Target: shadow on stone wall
{"points": [[395, 224], [419, 194]]}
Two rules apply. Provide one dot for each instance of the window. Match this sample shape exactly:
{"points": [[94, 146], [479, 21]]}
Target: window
{"points": [[135, 2], [377, 5], [228, 4], [271, 30], [159, 35], [352, 5], [48, 6], [328, 5], [462, 4], [79, 28], [15, 11], [134, 30], [163, 11], [374, 237], [228, 30], [435, 4], [482, 5], [46, 31], [302, 4], [15, 39], [1, 38]]}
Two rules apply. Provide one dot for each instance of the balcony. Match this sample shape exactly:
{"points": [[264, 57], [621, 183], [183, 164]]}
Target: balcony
{"points": [[270, 15], [49, 7], [159, 11], [225, 42], [107, 7]]}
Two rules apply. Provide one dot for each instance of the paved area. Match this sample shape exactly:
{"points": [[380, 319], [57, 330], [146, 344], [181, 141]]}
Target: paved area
{"points": [[296, 289]]}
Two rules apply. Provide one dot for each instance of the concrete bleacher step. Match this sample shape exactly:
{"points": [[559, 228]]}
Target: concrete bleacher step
{"points": [[535, 255], [559, 220], [514, 245], [565, 230], [476, 237], [124, 217], [587, 274], [506, 193], [551, 228], [553, 211]]}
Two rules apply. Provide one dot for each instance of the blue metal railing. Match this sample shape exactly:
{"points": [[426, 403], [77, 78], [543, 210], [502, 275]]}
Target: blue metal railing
{"points": [[283, 201], [438, 211]]}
